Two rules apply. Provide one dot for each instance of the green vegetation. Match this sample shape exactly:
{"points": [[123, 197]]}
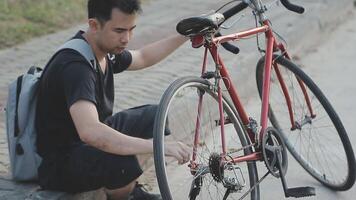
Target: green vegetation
{"points": [[21, 20]]}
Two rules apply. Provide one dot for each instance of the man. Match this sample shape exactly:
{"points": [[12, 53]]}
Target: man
{"points": [[82, 145]]}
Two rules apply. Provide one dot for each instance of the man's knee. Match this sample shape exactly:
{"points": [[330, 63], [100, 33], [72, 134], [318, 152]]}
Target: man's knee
{"points": [[122, 171], [121, 193]]}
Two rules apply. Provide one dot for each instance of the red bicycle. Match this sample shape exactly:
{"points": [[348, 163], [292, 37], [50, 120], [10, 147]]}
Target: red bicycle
{"points": [[226, 142]]}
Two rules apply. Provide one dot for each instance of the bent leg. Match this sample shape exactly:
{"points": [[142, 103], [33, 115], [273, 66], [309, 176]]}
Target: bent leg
{"points": [[120, 193], [136, 122], [87, 168]]}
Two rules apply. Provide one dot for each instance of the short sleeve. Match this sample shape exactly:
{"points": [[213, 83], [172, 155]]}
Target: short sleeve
{"points": [[78, 83], [121, 62]]}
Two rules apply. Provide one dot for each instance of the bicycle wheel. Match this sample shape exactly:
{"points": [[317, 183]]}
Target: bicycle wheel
{"points": [[178, 109], [320, 143]]}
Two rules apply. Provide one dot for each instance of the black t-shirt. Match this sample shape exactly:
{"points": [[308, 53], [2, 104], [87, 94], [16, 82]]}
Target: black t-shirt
{"points": [[67, 79]]}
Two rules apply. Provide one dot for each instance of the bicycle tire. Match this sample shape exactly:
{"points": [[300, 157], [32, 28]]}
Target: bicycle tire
{"points": [[168, 102], [332, 165]]}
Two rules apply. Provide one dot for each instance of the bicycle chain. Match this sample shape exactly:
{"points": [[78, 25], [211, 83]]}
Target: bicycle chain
{"points": [[254, 186], [242, 148]]}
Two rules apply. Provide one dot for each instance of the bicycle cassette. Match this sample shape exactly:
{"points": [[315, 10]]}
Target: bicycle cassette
{"points": [[216, 167]]}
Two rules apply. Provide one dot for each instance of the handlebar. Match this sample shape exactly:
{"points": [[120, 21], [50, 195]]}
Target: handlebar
{"points": [[234, 10], [292, 7], [241, 6]]}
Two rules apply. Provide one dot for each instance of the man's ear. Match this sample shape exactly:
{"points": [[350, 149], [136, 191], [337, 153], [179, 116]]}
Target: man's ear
{"points": [[94, 25]]}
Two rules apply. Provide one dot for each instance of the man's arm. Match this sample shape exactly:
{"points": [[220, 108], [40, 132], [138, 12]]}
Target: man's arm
{"points": [[101, 136], [155, 52], [93, 132]]}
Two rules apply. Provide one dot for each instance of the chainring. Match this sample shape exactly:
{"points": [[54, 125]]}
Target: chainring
{"points": [[271, 142]]}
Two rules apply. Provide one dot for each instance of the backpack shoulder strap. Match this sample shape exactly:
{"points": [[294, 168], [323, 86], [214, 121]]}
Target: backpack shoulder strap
{"points": [[81, 47]]}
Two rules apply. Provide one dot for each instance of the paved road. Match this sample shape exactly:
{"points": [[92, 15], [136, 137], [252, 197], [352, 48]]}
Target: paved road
{"points": [[158, 20]]}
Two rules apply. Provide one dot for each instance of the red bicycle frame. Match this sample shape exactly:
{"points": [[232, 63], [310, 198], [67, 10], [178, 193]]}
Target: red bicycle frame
{"points": [[272, 46]]}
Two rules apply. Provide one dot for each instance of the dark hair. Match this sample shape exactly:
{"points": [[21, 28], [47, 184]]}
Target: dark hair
{"points": [[101, 9]]}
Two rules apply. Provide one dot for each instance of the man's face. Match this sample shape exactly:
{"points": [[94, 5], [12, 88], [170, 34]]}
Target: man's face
{"points": [[114, 35]]}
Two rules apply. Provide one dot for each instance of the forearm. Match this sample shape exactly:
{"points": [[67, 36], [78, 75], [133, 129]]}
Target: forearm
{"points": [[157, 51], [109, 140]]}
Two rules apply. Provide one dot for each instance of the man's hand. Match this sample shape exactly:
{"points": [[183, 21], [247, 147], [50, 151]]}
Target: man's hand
{"points": [[179, 151]]}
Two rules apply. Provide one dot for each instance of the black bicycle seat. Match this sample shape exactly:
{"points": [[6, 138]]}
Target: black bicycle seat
{"points": [[199, 25]]}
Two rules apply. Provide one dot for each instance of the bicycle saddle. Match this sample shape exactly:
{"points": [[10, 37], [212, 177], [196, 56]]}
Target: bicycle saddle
{"points": [[200, 25]]}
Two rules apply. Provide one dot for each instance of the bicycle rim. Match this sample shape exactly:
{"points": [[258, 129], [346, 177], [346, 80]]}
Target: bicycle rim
{"points": [[179, 106], [321, 146]]}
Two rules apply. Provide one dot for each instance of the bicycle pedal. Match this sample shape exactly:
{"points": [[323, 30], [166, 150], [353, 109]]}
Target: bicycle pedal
{"points": [[299, 192]]}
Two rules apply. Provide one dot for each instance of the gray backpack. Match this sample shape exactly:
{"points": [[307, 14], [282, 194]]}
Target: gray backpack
{"points": [[20, 116]]}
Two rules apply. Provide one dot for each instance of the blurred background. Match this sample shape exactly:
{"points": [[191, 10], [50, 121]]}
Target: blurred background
{"points": [[21, 20]]}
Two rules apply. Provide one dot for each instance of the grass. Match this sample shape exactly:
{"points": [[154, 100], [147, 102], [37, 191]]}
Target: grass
{"points": [[21, 20]]}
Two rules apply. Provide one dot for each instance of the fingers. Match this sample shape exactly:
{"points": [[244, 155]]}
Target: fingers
{"points": [[184, 152], [181, 157], [179, 151]]}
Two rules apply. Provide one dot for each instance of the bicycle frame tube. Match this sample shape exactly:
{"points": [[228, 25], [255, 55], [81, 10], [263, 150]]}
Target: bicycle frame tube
{"points": [[197, 124], [241, 35], [197, 128], [266, 82], [222, 119], [286, 94]]}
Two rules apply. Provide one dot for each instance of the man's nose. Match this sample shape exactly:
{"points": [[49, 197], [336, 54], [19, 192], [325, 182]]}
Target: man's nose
{"points": [[125, 37]]}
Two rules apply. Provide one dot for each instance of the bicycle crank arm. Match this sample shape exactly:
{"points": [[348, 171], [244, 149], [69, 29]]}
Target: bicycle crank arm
{"points": [[296, 192], [228, 191]]}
